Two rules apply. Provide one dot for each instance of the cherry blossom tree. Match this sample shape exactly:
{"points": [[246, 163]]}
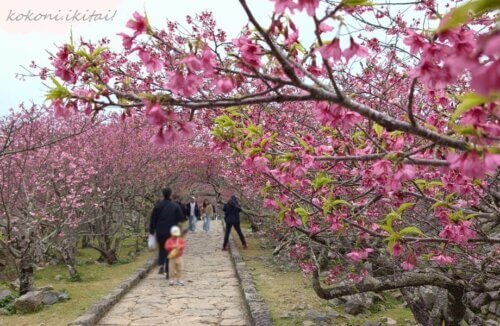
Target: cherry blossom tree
{"points": [[100, 183], [373, 132]]}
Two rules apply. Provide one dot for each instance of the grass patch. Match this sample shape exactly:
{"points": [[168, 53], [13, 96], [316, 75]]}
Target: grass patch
{"points": [[286, 290], [96, 281]]}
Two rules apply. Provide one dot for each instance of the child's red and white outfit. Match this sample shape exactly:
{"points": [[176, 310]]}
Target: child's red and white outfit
{"points": [[175, 247]]}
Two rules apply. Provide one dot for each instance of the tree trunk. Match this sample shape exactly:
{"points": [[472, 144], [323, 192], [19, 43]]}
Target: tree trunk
{"points": [[109, 256], [68, 255], [26, 282], [85, 241]]}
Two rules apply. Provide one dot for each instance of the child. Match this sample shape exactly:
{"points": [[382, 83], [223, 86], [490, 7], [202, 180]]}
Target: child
{"points": [[175, 246]]}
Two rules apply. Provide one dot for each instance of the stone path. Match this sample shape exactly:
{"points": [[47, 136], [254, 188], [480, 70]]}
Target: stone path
{"points": [[211, 295]]}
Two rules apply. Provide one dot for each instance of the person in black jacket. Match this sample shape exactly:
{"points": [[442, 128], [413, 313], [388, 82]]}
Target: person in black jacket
{"points": [[232, 217], [166, 214]]}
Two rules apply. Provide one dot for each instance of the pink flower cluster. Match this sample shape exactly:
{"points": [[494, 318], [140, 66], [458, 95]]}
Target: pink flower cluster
{"points": [[455, 51], [442, 259], [459, 232], [256, 163], [250, 52], [332, 50], [309, 5], [359, 254], [334, 115], [473, 165]]}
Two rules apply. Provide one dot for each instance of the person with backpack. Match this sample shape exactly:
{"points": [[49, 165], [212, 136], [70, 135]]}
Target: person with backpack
{"points": [[232, 217], [166, 214]]}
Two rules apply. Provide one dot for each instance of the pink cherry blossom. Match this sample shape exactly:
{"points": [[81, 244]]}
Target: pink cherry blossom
{"points": [[183, 85], [159, 138], [324, 28], [359, 254], [250, 52], [151, 61], [397, 249], [193, 63], [414, 41], [473, 165], [355, 49], [486, 79], [281, 5], [309, 5], [331, 50], [224, 85], [407, 266], [156, 115], [292, 221], [443, 259], [270, 203], [459, 232], [208, 59], [127, 40], [139, 23], [381, 167]]}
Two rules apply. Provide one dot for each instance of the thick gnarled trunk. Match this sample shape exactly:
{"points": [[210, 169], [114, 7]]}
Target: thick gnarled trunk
{"points": [[26, 277]]}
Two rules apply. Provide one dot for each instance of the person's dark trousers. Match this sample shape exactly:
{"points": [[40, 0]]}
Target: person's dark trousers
{"points": [[162, 253], [228, 232]]}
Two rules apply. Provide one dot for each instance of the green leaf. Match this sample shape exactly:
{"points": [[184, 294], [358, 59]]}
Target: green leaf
{"points": [[340, 202], [438, 204], [391, 217], [254, 151], [391, 241], [224, 121], [465, 130], [457, 216], [435, 183], [387, 228], [468, 101], [464, 13], [378, 129], [98, 51], [352, 3], [493, 150], [263, 142], [253, 129], [303, 214], [303, 143], [411, 230], [320, 180], [59, 91], [449, 197], [265, 189], [281, 215], [403, 207]]}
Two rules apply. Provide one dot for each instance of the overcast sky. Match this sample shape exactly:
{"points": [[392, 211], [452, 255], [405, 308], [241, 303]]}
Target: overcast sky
{"points": [[25, 41]]}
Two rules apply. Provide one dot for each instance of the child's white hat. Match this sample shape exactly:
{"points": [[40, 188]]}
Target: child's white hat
{"points": [[175, 231]]}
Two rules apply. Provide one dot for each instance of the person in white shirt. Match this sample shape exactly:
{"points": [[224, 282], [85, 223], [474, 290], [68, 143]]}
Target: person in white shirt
{"points": [[194, 213]]}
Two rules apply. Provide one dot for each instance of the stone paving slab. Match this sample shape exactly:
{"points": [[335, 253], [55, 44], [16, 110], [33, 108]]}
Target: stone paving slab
{"points": [[211, 296]]}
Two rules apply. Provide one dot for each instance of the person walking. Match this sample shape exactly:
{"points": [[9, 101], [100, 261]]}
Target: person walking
{"points": [[207, 212], [194, 213], [166, 213], [175, 246], [182, 225], [232, 217]]}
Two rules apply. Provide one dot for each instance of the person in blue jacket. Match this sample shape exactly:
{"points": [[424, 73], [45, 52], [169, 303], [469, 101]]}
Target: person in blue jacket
{"points": [[232, 217]]}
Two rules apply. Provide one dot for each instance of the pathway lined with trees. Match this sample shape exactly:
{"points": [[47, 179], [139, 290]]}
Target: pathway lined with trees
{"points": [[210, 296]]}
